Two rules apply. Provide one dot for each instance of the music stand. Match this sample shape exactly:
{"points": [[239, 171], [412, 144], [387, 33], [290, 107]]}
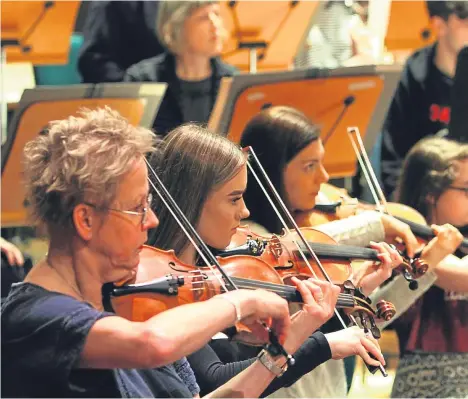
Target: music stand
{"points": [[138, 102], [266, 35], [38, 31], [409, 27], [320, 94]]}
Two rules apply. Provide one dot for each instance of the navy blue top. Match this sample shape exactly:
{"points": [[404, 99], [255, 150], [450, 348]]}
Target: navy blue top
{"points": [[43, 335]]}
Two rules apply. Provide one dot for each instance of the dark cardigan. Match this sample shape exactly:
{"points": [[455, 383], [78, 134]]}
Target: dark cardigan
{"points": [[162, 69]]}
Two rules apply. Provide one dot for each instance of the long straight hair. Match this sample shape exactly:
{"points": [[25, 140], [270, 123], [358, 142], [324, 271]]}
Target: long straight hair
{"points": [[277, 135], [191, 161]]}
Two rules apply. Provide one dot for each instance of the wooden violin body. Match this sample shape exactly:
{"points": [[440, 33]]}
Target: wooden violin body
{"points": [[282, 254], [164, 282]]}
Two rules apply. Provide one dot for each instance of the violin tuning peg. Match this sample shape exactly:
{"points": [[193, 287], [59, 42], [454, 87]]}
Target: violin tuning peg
{"points": [[420, 267], [348, 286], [385, 310]]}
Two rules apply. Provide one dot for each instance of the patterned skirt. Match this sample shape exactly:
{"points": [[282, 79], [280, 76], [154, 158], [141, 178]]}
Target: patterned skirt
{"points": [[432, 375]]}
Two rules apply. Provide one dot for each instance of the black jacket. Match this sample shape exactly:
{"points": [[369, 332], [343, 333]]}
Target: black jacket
{"points": [[117, 34], [162, 69], [420, 108]]}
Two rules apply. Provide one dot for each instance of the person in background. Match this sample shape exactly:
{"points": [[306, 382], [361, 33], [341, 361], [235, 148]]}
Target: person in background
{"points": [[15, 266], [421, 103], [433, 332], [116, 35], [339, 37], [192, 33]]}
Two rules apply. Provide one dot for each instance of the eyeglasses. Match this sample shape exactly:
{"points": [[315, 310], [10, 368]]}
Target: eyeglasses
{"points": [[143, 213], [464, 189]]}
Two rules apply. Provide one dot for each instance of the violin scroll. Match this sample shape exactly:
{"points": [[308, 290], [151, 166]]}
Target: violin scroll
{"points": [[385, 310]]}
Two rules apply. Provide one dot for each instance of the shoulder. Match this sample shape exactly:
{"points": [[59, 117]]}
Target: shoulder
{"points": [[154, 69], [31, 310], [418, 65]]}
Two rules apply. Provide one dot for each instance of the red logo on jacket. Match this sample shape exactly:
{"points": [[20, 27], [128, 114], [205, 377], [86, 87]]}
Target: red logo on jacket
{"points": [[439, 113]]}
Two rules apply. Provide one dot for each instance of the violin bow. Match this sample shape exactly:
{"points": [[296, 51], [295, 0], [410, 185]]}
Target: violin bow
{"points": [[366, 166], [250, 151], [275, 348], [376, 191]]}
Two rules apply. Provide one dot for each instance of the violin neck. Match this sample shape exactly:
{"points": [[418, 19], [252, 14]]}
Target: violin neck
{"points": [[290, 293], [426, 232], [345, 252], [329, 209]]}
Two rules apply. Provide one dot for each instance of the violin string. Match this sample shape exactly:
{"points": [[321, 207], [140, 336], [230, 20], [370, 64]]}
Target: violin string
{"points": [[292, 221], [343, 251], [260, 284], [278, 289], [342, 302]]}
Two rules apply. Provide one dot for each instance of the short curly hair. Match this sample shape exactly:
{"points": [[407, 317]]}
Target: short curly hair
{"points": [[80, 159]]}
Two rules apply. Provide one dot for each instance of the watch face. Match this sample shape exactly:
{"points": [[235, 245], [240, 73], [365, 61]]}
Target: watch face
{"points": [[266, 359]]}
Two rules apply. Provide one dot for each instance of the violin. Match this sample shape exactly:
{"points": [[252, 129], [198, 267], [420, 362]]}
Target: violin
{"points": [[163, 282], [281, 252], [343, 206]]}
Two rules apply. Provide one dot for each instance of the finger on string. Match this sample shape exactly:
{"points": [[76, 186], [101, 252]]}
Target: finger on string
{"points": [[385, 259], [315, 290], [307, 296]]}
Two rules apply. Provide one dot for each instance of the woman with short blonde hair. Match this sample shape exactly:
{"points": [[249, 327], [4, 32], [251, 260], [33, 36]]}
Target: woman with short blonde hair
{"points": [[193, 33]]}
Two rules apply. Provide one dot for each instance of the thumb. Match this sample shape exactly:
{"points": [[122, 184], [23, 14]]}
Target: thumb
{"points": [[436, 229]]}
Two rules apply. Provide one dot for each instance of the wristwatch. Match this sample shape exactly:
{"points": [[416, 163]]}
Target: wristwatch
{"points": [[271, 364]]}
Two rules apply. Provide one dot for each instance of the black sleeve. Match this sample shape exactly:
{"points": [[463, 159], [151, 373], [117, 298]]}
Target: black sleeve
{"points": [[117, 34], [312, 353], [12, 273], [396, 131], [211, 372]]}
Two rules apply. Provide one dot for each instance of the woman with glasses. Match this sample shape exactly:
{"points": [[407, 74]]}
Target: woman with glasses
{"points": [[433, 333], [87, 182]]}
